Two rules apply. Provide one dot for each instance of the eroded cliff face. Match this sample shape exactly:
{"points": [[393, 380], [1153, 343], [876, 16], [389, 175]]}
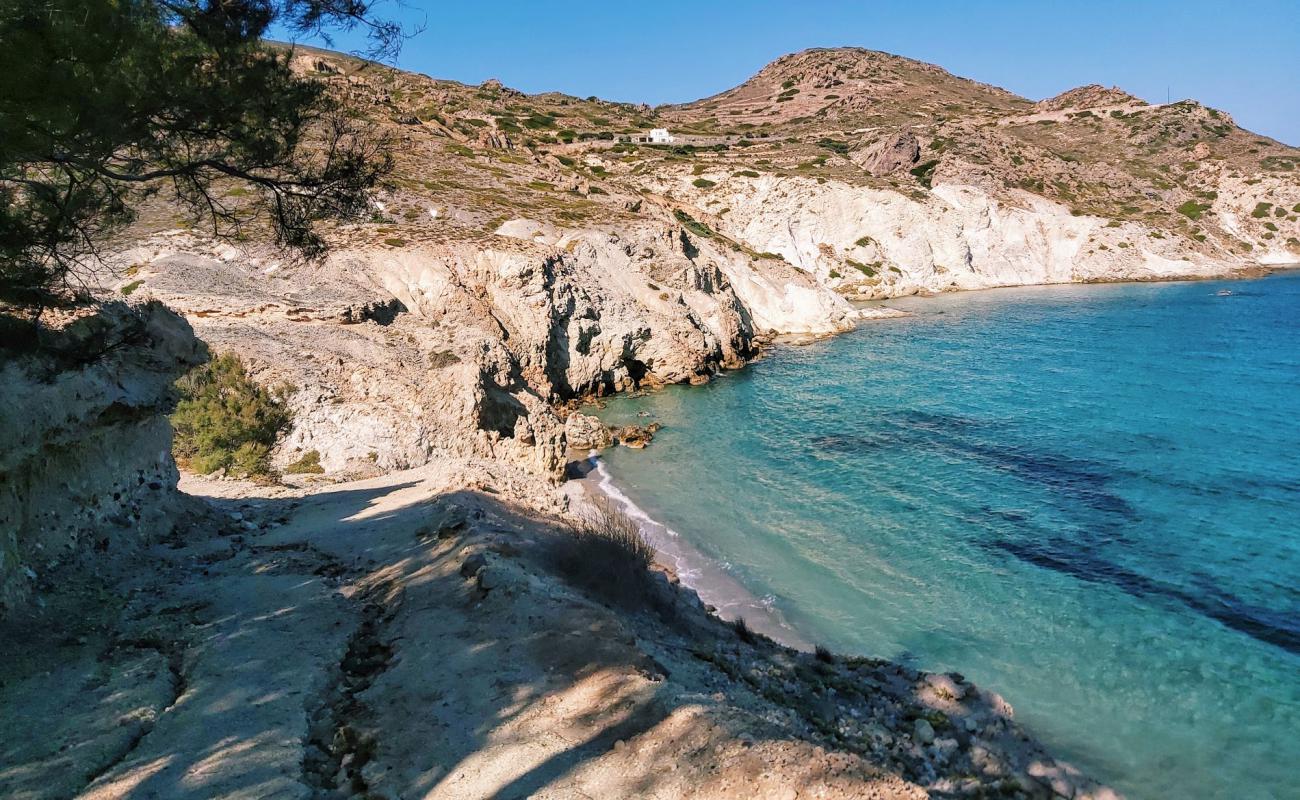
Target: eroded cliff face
{"points": [[466, 347], [534, 249], [85, 451], [881, 243]]}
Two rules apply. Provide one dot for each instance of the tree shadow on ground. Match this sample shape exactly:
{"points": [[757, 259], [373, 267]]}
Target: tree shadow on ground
{"points": [[401, 639]]}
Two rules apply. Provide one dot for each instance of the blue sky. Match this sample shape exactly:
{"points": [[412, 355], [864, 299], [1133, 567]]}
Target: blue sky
{"points": [[1242, 57]]}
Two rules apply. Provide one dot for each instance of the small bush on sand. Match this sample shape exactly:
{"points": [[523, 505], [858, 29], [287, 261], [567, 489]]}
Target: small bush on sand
{"points": [[605, 554], [225, 420], [743, 633]]}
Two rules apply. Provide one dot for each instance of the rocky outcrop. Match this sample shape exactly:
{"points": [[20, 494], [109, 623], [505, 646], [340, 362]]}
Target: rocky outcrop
{"points": [[85, 450], [585, 432], [881, 243], [886, 156], [464, 347]]}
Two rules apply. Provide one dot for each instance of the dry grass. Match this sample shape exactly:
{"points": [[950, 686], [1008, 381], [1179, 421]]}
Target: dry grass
{"points": [[605, 554]]}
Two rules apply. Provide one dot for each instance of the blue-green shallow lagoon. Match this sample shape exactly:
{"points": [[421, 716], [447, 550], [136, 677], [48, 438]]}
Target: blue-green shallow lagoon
{"points": [[1086, 498]]}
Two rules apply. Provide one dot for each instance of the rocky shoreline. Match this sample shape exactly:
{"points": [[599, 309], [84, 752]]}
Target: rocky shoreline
{"points": [[414, 635]]}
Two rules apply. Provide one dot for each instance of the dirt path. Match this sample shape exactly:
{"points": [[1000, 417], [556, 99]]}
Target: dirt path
{"points": [[406, 637]]}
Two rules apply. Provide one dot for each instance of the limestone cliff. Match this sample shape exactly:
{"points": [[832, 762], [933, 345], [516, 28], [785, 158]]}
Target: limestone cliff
{"points": [[465, 347], [85, 451], [533, 249]]}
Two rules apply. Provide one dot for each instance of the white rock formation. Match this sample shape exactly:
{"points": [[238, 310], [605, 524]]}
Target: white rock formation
{"points": [[464, 347], [85, 451], [955, 237]]}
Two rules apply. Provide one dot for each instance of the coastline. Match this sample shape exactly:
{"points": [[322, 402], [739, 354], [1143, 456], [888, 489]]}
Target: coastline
{"points": [[652, 481], [417, 619], [1253, 272], [723, 595]]}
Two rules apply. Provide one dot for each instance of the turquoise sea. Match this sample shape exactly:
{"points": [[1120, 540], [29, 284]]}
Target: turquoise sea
{"points": [[1086, 498]]}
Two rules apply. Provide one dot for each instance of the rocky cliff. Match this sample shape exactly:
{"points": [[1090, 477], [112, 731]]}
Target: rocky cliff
{"points": [[530, 250], [85, 448]]}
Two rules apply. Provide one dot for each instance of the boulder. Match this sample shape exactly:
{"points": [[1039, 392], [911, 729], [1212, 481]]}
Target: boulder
{"points": [[923, 731], [890, 154], [585, 432], [635, 436], [493, 139]]}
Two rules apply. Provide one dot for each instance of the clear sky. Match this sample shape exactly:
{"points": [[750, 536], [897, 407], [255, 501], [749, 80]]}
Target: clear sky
{"points": [[1242, 57]]}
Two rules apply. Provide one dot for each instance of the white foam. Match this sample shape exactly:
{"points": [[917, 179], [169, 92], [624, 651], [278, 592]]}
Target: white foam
{"points": [[694, 569]]}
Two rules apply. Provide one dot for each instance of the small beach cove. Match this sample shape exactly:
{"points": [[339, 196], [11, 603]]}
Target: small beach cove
{"points": [[1082, 497]]}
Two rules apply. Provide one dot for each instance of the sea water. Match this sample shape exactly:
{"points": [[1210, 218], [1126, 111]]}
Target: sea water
{"points": [[1085, 498]]}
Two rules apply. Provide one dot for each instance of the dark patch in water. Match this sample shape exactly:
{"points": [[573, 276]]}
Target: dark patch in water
{"points": [[1007, 514], [1083, 481], [1080, 479], [849, 443], [1262, 624]]}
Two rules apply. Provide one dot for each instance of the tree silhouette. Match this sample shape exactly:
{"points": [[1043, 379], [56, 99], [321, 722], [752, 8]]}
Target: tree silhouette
{"points": [[105, 103]]}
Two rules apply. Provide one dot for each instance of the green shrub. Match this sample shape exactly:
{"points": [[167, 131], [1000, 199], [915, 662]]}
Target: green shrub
{"points": [[395, 242], [869, 271], [309, 464], [1192, 209], [693, 225], [834, 145], [225, 420], [925, 173], [703, 183], [131, 287], [1261, 210], [539, 121], [1270, 226], [747, 173]]}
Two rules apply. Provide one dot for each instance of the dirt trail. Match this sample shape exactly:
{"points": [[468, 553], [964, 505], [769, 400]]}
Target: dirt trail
{"points": [[407, 637]]}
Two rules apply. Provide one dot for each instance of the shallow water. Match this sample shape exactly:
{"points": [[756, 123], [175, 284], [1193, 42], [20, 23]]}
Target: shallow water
{"points": [[1086, 498]]}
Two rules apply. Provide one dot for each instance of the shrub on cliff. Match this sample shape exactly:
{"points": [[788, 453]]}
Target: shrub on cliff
{"points": [[225, 420], [605, 554]]}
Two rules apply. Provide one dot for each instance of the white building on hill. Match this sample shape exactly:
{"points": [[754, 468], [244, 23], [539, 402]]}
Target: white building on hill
{"points": [[661, 136]]}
